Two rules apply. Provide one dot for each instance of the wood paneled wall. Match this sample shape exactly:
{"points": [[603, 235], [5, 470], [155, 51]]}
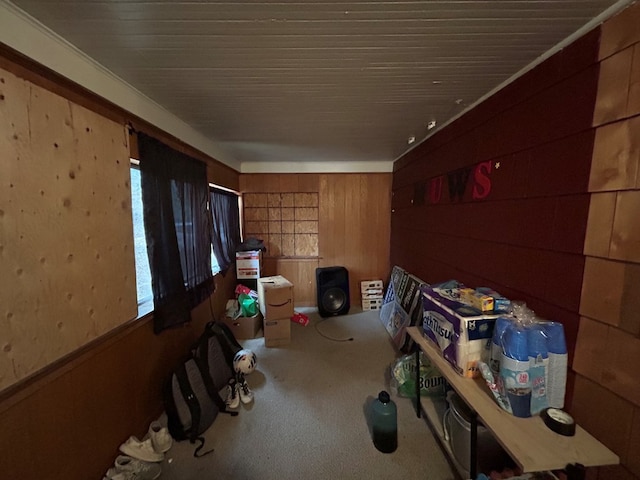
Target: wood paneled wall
{"points": [[499, 197], [92, 402], [608, 346], [353, 228], [549, 216], [66, 235], [76, 410]]}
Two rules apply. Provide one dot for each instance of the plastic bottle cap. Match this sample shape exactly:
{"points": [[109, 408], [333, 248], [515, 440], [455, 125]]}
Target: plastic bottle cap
{"points": [[384, 397], [555, 337], [537, 341], [515, 343]]}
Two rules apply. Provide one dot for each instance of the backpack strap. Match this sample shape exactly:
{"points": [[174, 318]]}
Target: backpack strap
{"points": [[229, 335], [173, 423], [201, 356], [196, 452], [227, 340], [208, 384], [194, 408]]}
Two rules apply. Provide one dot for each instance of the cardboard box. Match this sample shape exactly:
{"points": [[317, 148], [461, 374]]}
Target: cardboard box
{"points": [[372, 303], [461, 332], [367, 285], [245, 327], [275, 297], [372, 296], [476, 299], [277, 332], [500, 303], [248, 264]]}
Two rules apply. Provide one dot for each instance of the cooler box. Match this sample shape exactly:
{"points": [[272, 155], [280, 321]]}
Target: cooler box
{"points": [[275, 297], [460, 331]]}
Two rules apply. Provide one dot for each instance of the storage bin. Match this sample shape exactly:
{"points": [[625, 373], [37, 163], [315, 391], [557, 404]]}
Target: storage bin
{"points": [[457, 428]]}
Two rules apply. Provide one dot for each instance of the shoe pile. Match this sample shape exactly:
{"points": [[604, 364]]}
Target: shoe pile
{"points": [[238, 390], [140, 457]]}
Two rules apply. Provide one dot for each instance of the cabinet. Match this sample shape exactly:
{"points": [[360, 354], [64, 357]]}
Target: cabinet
{"points": [[531, 445]]}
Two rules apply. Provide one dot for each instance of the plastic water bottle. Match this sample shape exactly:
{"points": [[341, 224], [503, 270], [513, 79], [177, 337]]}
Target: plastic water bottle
{"points": [[538, 367], [385, 423], [558, 364], [496, 344], [514, 370]]}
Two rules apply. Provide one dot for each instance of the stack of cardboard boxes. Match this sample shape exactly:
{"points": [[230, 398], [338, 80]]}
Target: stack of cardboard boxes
{"points": [[275, 297], [248, 268], [372, 294]]}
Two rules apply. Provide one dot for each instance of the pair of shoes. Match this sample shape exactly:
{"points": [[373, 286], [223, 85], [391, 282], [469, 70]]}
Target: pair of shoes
{"points": [[246, 395], [233, 396], [128, 468], [160, 437], [141, 450], [238, 389]]}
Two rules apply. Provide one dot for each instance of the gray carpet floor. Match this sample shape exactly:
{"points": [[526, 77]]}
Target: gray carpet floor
{"points": [[309, 419]]}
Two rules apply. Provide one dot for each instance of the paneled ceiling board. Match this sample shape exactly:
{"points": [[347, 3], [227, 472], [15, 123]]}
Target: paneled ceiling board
{"points": [[314, 81]]}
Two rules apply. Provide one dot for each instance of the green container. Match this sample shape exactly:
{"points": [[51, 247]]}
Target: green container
{"points": [[432, 383]]}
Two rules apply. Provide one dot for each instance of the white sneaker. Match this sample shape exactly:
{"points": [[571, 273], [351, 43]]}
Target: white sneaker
{"points": [[112, 474], [246, 395], [136, 468], [141, 450], [160, 437], [233, 399]]}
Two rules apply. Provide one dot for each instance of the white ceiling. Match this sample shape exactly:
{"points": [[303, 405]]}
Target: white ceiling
{"points": [[298, 82]]}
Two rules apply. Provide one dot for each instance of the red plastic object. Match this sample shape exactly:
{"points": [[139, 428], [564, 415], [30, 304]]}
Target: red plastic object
{"points": [[300, 318], [242, 289]]}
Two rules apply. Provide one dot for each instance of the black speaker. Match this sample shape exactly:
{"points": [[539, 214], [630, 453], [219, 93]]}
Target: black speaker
{"points": [[332, 285]]}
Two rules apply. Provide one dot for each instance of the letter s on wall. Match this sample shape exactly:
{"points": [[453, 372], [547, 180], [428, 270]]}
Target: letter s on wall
{"points": [[482, 182]]}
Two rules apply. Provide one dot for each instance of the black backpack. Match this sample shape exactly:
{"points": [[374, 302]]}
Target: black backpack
{"points": [[192, 394], [216, 348]]}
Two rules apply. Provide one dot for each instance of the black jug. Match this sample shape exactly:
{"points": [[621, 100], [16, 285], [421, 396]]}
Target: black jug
{"points": [[385, 423]]}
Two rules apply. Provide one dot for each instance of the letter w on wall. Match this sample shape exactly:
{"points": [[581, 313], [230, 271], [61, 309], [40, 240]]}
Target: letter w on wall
{"points": [[458, 183]]}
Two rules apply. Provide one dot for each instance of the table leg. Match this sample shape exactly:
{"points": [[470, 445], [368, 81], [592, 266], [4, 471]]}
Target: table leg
{"points": [[576, 471], [416, 350], [473, 450]]}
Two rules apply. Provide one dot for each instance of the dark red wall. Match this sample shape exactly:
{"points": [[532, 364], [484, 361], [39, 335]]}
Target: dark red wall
{"points": [[519, 224]]}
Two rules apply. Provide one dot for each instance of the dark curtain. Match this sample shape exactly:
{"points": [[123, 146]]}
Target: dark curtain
{"points": [[177, 225], [225, 214]]}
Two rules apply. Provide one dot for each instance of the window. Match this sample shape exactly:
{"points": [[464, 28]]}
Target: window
{"points": [[226, 228], [225, 216], [215, 265], [143, 273]]}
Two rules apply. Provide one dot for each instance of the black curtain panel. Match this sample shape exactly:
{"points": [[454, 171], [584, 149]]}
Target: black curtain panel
{"points": [[225, 214], [177, 225]]}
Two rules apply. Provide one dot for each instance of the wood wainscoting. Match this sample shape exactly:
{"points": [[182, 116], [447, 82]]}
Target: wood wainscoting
{"points": [[68, 420]]}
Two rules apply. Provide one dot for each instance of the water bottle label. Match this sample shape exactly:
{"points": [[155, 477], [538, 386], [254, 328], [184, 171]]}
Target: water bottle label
{"points": [[517, 384], [537, 373]]}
